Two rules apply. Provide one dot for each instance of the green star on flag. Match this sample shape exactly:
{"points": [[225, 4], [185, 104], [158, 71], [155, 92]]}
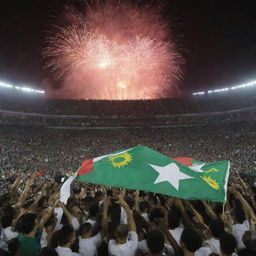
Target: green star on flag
{"points": [[142, 168]]}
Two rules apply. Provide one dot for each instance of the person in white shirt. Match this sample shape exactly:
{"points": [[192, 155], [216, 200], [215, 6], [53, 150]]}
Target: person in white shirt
{"points": [[174, 222], [217, 228], [126, 237], [191, 242], [7, 233], [228, 245], [64, 239], [93, 215], [155, 242], [47, 231], [241, 226], [144, 208], [88, 244]]}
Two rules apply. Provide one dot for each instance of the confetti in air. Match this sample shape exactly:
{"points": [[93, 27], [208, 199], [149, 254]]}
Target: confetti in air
{"points": [[113, 50]]}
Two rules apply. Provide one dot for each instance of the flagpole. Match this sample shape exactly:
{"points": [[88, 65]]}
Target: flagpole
{"points": [[223, 207]]}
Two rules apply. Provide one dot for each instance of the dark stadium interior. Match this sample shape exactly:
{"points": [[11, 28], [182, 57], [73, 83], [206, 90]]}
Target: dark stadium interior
{"points": [[71, 180]]}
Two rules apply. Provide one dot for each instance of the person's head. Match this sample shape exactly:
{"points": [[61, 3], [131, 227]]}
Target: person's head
{"points": [[143, 195], [130, 194], [162, 200], [27, 223], [247, 238], [217, 228], [66, 236], [227, 244], [156, 216], [76, 191], [76, 211], [99, 196], [4, 200], [9, 211], [154, 200], [6, 221], [155, 241], [140, 222], [48, 252], [249, 243], [88, 201], [121, 233], [110, 193], [86, 230], [94, 211], [114, 212], [191, 240], [144, 206], [239, 214], [174, 218], [130, 201]]}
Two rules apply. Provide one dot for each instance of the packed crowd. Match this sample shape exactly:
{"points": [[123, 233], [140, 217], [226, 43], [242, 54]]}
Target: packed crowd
{"points": [[38, 219], [23, 149]]}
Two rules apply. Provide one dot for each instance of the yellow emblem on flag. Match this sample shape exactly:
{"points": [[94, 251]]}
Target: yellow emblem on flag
{"points": [[213, 183], [211, 170], [120, 160]]}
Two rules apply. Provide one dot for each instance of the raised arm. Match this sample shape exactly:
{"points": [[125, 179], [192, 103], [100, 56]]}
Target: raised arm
{"points": [[186, 219], [209, 210], [245, 205], [131, 222], [137, 208], [25, 191], [66, 212]]}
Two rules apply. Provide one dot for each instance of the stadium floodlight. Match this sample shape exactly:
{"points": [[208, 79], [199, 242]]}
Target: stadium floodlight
{"points": [[2, 84], [249, 84], [198, 93], [27, 89], [39, 91], [21, 88]]}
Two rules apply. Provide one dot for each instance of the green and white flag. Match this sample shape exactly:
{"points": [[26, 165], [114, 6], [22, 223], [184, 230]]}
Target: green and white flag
{"points": [[142, 168]]}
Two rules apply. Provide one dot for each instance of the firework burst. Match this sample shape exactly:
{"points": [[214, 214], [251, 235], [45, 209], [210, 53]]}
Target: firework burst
{"points": [[113, 50]]}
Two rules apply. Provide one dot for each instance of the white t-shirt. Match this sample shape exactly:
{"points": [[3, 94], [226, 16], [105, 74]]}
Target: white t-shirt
{"points": [[214, 245], [58, 214], [43, 240], [145, 216], [142, 246], [203, 251], [123, 216], [126, 249], [176, 233], [238, 232], [63, 251], [7, 234], [88, 246], [75, 223]]}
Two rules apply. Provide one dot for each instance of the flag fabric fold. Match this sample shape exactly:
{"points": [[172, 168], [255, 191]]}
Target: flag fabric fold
{"points": [[142, 168]]}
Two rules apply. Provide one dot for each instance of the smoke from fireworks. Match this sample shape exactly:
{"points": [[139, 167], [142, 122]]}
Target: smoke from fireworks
{"points": [[113, 50]]}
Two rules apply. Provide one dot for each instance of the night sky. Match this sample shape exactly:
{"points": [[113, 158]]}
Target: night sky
{"points": [[217, 39]]}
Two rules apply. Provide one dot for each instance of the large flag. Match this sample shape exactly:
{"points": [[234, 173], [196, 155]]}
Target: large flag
{"points": [[142, 168]]}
